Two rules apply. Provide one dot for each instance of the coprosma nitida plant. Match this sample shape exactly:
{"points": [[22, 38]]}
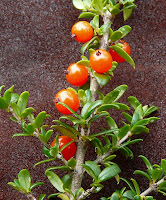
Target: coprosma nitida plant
{"points": [[102, 50]]}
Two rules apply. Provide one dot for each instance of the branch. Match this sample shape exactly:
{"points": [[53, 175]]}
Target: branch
{"points": [[31, 197], [100, 159], [87, 193], [153, 187]]}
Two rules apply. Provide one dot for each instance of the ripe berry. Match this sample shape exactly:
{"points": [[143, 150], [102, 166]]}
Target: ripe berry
{"points": [[70, 98], [101, 61], [116, 57], [77, 74], [69, 151], [82, 31]]}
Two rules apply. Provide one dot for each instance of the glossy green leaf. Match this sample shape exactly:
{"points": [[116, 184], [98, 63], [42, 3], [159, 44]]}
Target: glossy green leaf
{"points": [[109, 172], [23, 100], [147, 121], [97, 116], [97, 4], [111, 97], [90, 171], [48, 135], [40, 119], [129, 194], [103, 28], [127, 12], [30, 128], [128, 183], [86, 15], [17, 187], [88, 2], [54, 151], [71, 118], [156, 174], [42, 196], [72, 163], [126, 152], [7, 96], [95, 22], [127, 116], [123, 131], [46, 152], [79, 4], [86, 45], [117, 106], [95, 168], [24, 179], [44, 161], [26, 112], [85, 108], [137, 189], [163, 165], [133, 102], [143, 174], [84, 62], [1, 87], [55, 180], [123, 54], [111, 157], [150, 110], [3, 103], [102, 79], [63, 196], [116, 35], [147, 163], [14, 97], [124, 30], [20, 134], [16, 109], [114, 196], [36, 184], [137, 129], [115, 9], [82, 96], [65, 131], [138, 115], [108, 132], [92, 107]]}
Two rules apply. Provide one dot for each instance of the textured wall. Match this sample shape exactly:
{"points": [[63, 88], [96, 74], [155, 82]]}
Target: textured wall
{"points": [[35, 49]]}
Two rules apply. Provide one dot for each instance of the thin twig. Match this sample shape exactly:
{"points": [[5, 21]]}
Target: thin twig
{"points": [[153, 187], [87, 193], [31, 197]]}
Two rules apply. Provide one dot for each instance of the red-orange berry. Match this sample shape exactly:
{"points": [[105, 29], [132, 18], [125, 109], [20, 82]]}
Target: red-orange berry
{"points": [[70, 150], [116, 57], [82, 31], [77, 74], [68, 97], [101, 61]]}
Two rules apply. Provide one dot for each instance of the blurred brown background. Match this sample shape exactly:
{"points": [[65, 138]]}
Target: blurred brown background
{"points": [[35, 49]]}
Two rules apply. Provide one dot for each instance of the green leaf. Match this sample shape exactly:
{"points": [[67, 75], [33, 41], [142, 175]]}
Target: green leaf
{"points": [[126, 152], [46, 152], [55, 180], [1, 87], [54, 151], [97, 116], [63, 196], [147, 163], [138, 115], [103, 28], [24, 179], [124, 30], [127, 13], [95, 168], [40, 119], [72, 163], [88, 2], [137, 189], [42, 196], [90, 171], [95, 22], [3, 103], [109, 172], [17, 187], [163, 165], [111, 123], [82, 96], [133, 101], [85, 46], [84, 62], [65, 131], [65, 168], [26, 112], [102, 79], [116, 35], [143, 174], [123, 131], [16, 109], [137, 129], [114, 196], [20, 134], [86, 15], [92, 107], [123, 54], [48, 135], [156, 174], [97, 4], [147, 121], [129, 194], [71, 118], [85, 108], [79, 4], [23, 100], [127, 116], [14, 97], [36, 184], [150, 110], [115, 94], [117, 106], [44, 161], [30, 128], [128, 183]]}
